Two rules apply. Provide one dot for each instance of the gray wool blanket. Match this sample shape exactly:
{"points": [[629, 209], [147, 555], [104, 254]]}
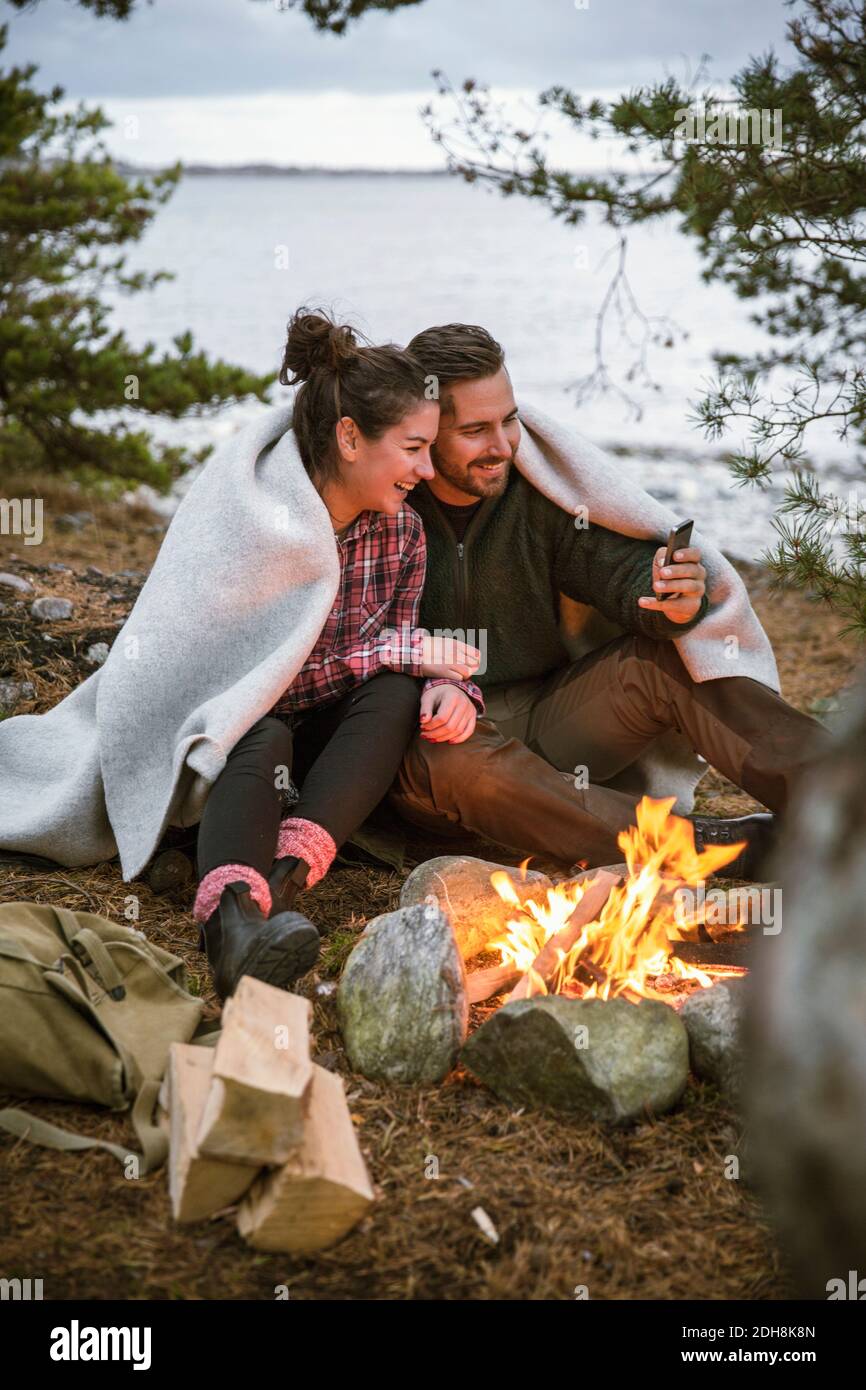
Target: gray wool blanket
{"points": [[233, 606]]}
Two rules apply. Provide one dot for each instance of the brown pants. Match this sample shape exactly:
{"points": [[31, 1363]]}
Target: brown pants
{"points": [[591, 719]]}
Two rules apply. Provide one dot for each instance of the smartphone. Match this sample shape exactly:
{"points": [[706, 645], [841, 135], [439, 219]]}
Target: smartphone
{"points": [[678, 539]]}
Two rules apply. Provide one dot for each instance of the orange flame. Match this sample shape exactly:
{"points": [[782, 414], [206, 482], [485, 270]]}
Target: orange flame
{"points": [[627, 950]]}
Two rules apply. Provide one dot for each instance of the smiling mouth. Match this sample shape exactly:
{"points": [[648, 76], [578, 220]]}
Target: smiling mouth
{"points": [[404, 487]]}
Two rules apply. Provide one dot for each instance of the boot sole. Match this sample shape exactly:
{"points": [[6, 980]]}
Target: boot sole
{"points": [[285, 964], [282, 963]]}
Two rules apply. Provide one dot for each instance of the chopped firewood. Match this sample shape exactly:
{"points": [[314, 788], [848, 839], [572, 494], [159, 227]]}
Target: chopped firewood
{"points": [[261, 1074], [551, 954], [483, 984], [198, 1186], [322, 1191]]}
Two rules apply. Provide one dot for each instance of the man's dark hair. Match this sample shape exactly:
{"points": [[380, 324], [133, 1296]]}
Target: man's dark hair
{"points": [[457, 352]]}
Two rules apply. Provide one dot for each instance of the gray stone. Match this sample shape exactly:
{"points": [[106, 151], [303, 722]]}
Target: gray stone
{"points": [[94, 572], [402, 1002], [58, 567], [12, 693], [73, 521], [97, 652], [713, 1020], [51, 608], [14, 581], [601, 1059], [461, 887]]}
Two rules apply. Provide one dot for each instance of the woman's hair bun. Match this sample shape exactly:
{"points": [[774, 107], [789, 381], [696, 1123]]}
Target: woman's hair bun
{"points": [[315, 342]]}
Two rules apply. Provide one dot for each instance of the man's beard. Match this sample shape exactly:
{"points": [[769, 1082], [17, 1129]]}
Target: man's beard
{"points": [[471, 480]]}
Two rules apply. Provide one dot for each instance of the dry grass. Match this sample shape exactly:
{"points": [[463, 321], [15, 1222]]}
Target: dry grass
{"points": [[646, 1213]]}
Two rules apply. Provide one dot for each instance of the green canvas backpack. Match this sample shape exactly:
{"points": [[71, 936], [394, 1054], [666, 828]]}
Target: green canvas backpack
{"points": [[88, 1012]]}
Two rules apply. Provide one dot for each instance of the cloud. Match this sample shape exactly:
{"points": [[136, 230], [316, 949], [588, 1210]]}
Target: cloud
{"points": [[184, 48]]}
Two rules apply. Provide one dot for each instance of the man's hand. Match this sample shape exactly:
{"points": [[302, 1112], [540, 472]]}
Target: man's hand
{"points": [[448, 657], [447, 715], [684, 579]]}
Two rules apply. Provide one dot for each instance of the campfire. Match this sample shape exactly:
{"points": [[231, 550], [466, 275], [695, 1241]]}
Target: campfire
{"points": [[606, 935]]}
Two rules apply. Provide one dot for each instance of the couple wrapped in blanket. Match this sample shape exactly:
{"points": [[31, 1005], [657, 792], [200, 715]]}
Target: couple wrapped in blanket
{"points": [[403, 588]]}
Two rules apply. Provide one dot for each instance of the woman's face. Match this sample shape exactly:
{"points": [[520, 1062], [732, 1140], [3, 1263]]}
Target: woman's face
{"points": [[379, 474]]}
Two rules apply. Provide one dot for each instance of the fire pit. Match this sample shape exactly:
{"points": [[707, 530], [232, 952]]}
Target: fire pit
{"points": [[592, 993], [606, 935]]}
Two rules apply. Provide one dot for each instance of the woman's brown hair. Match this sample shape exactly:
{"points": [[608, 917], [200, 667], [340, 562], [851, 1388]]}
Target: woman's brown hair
{"points": [[341, 375]]}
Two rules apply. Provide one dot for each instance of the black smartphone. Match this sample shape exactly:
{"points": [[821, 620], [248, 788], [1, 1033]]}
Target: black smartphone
{"points": [[678, 539]]}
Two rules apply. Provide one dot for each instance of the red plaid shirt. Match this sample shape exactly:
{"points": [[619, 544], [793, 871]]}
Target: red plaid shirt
{"points": [[383, 560]]}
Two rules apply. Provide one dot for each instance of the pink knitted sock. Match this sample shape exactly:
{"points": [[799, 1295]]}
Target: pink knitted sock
{"points": [[308, 841], [210, 890]]}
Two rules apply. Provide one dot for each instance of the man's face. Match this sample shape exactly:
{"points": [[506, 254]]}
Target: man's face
{"points": [[479, 435]]}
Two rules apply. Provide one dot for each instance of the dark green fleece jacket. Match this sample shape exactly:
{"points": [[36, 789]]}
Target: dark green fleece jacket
{"points": [[519, 553]]}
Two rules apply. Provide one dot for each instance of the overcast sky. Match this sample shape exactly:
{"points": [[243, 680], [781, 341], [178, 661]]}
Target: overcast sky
{"points": [[227, 81]]}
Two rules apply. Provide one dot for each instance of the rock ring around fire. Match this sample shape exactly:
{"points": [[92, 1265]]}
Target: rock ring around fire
{"points": [[402, 1003], [607, 1060]]}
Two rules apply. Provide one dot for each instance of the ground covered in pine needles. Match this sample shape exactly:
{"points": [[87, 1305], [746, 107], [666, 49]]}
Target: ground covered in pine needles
{"points": [[636, 1214]]}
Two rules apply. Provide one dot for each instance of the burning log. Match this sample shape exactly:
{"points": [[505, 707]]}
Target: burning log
{"points": [[557, 948], [483, 984], [734, 951], [592, 973]]}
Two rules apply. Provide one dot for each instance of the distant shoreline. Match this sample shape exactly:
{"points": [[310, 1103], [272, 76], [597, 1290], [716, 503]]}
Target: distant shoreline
{"points": [[281, 171]]}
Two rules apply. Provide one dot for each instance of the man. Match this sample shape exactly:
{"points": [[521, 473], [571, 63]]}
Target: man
{"points": [[500, 554]]}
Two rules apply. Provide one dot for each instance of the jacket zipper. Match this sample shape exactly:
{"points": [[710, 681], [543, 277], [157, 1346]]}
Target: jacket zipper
{"points": [[461, 581]]}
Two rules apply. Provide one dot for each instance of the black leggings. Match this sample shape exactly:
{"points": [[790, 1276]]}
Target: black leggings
{"points": [[343, 757]]}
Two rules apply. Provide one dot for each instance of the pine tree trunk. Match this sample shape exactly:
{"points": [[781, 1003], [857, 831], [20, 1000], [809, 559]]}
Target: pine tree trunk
{"points": [[806, 1030]]}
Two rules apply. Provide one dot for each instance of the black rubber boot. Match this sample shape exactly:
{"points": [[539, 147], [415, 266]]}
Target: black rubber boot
{"points": [[240, 940], [760, 832], [286, 879]]}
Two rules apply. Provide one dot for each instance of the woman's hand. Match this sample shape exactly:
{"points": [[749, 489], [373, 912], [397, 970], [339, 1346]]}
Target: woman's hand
{"points": [[447, 715], [448, 657]]}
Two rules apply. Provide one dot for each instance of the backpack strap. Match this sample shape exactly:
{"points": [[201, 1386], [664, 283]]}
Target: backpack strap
{"points": [[153, 1141], [86, 943]]}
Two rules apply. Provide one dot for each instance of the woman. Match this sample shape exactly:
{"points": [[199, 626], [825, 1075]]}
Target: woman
{"points": [[364, 428]]}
